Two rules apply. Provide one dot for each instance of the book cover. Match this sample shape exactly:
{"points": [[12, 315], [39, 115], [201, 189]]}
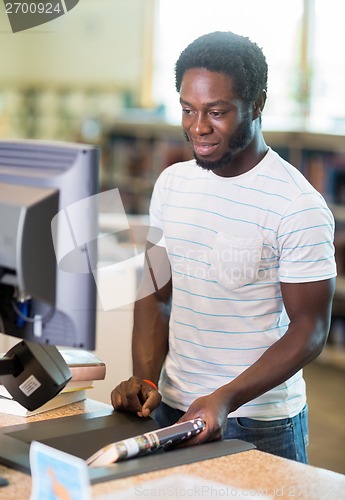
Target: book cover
{"points": [[83, 365], [143, 444], [10, 406], [78, 385]]}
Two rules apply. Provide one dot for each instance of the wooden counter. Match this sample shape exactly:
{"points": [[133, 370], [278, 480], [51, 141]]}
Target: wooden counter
{"points": [[251, 470]]}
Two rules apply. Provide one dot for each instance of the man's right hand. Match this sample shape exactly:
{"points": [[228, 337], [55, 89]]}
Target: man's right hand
{"points": [[135, 395]]}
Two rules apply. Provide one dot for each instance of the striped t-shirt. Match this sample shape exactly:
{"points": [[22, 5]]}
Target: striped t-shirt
{"points": [[231, 241]]}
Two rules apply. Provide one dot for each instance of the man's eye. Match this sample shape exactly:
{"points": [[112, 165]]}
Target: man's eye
{"points": [[217, 113], [186, 111]]}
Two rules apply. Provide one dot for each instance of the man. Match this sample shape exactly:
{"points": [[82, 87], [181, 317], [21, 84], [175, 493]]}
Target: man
{"points": [[250, 246]]}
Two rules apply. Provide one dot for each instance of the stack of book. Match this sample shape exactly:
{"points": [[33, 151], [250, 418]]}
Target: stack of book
{"points": [[85, 368]]}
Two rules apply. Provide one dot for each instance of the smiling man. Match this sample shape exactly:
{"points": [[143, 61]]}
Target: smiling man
{"points": [[218, 124], [249, 243]]}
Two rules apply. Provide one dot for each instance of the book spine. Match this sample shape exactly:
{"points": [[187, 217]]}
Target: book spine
{"points": [[87, 372]]}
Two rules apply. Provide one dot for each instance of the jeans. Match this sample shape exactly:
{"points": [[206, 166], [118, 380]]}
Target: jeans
{"points": [[287, 437]]}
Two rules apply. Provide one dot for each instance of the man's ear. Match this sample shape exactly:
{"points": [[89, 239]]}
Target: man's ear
{"points": [[259, 104]]}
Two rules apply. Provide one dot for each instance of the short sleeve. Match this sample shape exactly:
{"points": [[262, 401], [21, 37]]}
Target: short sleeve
{"points": [[306, 241], [156, 208]]}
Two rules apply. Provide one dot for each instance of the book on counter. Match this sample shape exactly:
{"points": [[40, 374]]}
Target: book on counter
{"points": [[85, 368], [144, 444], [78, 385], [10, 406], [83, 365]]}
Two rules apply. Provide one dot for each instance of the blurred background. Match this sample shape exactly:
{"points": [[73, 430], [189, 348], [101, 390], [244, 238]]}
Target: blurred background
{"points": [[104, 74], [102, 58]]}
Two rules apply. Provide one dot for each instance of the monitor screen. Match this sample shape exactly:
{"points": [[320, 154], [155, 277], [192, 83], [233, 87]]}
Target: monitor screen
{"points": [[48, 242]]}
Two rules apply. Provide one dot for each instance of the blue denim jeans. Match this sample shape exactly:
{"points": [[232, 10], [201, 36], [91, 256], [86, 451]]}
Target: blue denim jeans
{"points": [[287, 437]]}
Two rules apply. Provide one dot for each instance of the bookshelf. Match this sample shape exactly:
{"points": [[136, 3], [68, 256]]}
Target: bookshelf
{"points": [[134, 153], [321, 158]]}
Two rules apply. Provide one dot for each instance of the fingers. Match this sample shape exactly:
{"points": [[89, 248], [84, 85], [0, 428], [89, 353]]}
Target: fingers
{"points": [[200, 438], [125, 397], [136, 396], [213, 428], [209, 433], [151, 403]]}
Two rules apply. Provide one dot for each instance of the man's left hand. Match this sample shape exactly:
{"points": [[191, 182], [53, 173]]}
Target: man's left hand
{"points": [[213, 409]]}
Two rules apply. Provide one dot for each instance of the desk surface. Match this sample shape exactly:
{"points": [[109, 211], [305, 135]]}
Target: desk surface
{"points": [[251, 470]]}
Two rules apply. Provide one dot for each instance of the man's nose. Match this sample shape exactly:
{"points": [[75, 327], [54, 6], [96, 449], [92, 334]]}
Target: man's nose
{"points": [[201, 124]]}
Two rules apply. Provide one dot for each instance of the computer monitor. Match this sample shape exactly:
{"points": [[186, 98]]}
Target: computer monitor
{"points": [[48, 242]]}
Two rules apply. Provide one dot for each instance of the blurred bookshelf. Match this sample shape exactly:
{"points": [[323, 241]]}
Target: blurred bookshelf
{"points": [[135, 152], [321, 158]]}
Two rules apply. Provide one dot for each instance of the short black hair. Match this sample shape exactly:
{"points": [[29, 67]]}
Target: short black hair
{"points": [[230, 54]]}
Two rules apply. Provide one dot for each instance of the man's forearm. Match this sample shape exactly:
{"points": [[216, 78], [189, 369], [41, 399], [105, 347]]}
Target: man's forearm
{"points": [[308, 306], [151, 315], [150, 338], [280, 362]]}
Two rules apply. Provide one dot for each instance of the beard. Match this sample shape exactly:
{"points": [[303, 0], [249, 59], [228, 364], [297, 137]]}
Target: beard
{"points": [[237, 143]]}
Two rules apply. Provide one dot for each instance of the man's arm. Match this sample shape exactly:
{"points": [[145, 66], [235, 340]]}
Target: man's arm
{"points": [[149, 338], [309, 308]]}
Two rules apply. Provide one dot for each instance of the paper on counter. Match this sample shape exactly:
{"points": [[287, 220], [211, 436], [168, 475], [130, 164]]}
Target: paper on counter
{"points": [[57, 475]]}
